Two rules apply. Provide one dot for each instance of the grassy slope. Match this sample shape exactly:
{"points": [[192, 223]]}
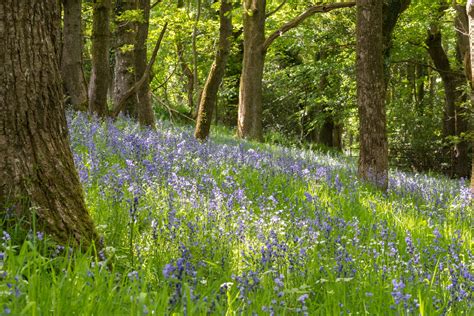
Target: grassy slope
{"points": [[231, 227]]}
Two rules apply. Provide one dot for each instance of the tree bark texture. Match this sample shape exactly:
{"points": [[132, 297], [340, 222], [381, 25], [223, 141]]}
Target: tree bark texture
{"points": [[37, 171], [208, 100], [249, 118], [373, 157], [146, 116], [71, 64], [124, 78], [453, 122], [100, 76]]}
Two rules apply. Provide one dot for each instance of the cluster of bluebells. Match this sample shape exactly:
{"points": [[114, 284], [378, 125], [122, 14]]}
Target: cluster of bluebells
{"points": [[226, 208]]}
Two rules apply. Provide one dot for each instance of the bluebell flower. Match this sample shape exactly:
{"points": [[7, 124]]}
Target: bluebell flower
{"points": [[303, 298]]}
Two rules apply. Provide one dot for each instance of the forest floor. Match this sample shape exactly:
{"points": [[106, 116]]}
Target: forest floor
{"points": [[235, 228]]}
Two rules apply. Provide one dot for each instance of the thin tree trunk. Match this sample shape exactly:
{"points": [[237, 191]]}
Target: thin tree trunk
{"points": [[146, 116], [208, 100], [452, 82], [373, 157], [71, 64], [37, 169], [470, 12], [391, 10], [462, 162], [185, 69], [197, 94], [124, 77], [100, 76], [189, 84]]}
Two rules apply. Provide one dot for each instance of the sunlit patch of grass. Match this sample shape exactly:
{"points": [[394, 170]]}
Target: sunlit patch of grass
{"points": [[229, 227]]}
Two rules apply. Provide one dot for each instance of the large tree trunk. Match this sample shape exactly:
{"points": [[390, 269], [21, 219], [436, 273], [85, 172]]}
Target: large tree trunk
{"points": [[71, 64], [470, 12], [208, 100], [146, 116], [249, 120], [37, 170], [124, 77], [100, 77], [454, 122], [373, 157]]}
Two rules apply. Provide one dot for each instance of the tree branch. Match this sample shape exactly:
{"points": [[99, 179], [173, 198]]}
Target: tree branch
{"points": [[321, 8], [276, 9], [146, 74], [155, 4]]}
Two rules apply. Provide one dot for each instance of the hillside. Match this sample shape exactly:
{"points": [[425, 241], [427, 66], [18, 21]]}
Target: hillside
{"points": [[228, 227]]}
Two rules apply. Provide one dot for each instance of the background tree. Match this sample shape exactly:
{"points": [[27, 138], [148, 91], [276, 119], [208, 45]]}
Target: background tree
{"points": [[454, 123], [146, 116], [71, 59], [470, 13], [249, 121], [100, 74], [208, 100], [37, 169], [373, 156], [125, 35]]}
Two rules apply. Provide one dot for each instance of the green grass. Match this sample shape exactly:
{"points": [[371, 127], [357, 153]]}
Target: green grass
{"points": [[232, 228]]}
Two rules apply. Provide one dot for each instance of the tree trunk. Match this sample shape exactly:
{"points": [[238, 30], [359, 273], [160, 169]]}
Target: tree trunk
{"points": [[124, 77], [470, 12], [453, 124], [249, 120], [391, 10], [71, 64], [462, 163], [146, 116], [100, 77], [37, 169], [197, 94], [208, 100], [189, 84], [373, 158]]}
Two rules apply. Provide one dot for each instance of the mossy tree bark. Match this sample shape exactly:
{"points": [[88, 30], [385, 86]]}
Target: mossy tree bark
{"points": [[373, 157], [100, 77], [71, 60], [208, 100], [37, 170]]}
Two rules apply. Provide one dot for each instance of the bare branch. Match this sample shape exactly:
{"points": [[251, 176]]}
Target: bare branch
{"points": [[155, 4], [321, 8], [276, 9], [146, 75]]}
